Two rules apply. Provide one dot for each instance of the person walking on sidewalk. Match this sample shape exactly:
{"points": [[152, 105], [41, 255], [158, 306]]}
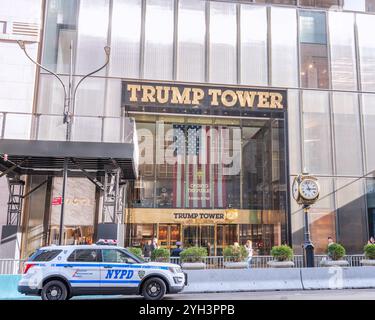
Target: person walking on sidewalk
{"points": [[249, 249]]}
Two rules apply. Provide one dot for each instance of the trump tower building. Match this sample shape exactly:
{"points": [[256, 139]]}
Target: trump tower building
{"points": [[205, 113]]}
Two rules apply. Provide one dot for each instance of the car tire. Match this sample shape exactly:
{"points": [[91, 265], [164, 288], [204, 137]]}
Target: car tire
{"points": [[154, 289], [54, 290]]}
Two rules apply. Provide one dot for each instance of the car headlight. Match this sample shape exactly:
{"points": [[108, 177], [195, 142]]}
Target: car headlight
{"points": [[175, 269]]}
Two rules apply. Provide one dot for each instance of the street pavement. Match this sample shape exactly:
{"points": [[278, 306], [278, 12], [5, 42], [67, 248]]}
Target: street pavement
{"points": [[355, 294]]}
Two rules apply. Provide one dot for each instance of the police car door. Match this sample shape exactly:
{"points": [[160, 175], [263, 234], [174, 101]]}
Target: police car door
{"points": [[83, 269], [119, 272]]}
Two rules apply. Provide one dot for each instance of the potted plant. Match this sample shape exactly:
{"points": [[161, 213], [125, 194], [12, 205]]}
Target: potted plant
{"points": [[369, 251], [336, 253], [192, 258], [136, 251], [235, 257], [282, 256], [160, 255]]}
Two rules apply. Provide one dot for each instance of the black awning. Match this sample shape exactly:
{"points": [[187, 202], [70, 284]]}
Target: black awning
{"points": [[39, 157]]}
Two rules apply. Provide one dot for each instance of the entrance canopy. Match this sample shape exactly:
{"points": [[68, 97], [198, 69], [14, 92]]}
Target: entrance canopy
{"points": [[38, 157]]}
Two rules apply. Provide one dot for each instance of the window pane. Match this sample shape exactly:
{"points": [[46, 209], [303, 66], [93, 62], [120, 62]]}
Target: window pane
{"points": [[355, 5], [368, 110], [343, 64], [314, 53], [87, 129], [317, 135], [347, 134], [61, 28], [51, 94], [158, 63], [17, 126], [370, 5], [52, 128], [125, 38], [366, 41], [351, 213], [82, 255], [333, 4], [284, 47], [90, 97], [92, 35], [223, 42], [294, 132], [253, 45], [191, 41]]}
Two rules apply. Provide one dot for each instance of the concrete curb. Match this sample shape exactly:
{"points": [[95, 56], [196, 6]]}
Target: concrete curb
{"points": [[224, 280]]}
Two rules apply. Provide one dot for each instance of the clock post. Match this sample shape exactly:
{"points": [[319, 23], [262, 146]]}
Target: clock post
{"points": [[306, 192]]}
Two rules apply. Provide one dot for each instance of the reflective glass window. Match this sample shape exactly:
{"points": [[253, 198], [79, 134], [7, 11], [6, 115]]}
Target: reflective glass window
{"points": [[254, 45], [92, 35], [125, 38], [159, 26], [368, 110], [366, 42], [317, 132], [284, 47], [191, 41], [343, 60], [223, 43], [314, 52], [347, 133]]}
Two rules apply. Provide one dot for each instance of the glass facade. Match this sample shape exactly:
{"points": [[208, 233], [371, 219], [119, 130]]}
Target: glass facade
{"points": [[324, 59]]}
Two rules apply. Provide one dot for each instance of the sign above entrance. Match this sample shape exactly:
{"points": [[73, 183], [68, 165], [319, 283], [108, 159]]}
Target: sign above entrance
{"points": [[188, 95]]}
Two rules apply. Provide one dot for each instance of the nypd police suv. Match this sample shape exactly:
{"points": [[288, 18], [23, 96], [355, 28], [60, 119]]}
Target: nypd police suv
{"points": [[61, 272]]}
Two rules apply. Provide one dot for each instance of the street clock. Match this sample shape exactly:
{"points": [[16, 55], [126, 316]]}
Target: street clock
{"points": [[305, 189]]}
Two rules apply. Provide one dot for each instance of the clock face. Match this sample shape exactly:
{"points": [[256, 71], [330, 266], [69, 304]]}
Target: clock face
{"points": [[309, 189], [295, 189]]}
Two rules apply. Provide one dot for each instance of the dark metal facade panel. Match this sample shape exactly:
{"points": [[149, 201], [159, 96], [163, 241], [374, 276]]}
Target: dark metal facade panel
{"points": [[47, 157]]}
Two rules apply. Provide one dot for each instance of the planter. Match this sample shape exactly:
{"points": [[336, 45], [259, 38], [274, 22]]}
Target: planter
{"points": [[368, 262], [334, 263], [280, 264], [235, 265], [193, 265]]}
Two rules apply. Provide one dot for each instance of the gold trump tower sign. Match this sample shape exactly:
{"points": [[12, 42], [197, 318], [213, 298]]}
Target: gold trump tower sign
{"points": [[175, 94]]}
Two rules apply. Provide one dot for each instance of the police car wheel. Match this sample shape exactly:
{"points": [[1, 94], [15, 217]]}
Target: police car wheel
{"points": [[153, 289], [54, 290]]}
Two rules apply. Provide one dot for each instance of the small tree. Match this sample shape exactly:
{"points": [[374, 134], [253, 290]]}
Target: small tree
{"points": [[282, 253], [136, 251], [235, 253], [336, 251], [160, 255], [369, 251], [193, 254]]}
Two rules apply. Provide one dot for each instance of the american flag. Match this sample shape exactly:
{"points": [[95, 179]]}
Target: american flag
{"points": [[198, 172]]}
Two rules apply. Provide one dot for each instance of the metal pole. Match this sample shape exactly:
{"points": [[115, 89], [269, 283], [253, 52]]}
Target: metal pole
{"points": [[308, 245], [65, 176], [67, 138]]}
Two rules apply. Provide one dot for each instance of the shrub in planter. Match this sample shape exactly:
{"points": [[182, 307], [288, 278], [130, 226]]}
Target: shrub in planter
{"points": [[160, 255], [136, 251], [282, 253], [235, 253], [336, 251], [369, 251], [193, 254]]}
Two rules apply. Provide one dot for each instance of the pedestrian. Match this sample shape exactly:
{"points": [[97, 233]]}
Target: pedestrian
{"points": [[371, 241], [147, 249], [176, 251], [154, 244], [249, 249]]}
